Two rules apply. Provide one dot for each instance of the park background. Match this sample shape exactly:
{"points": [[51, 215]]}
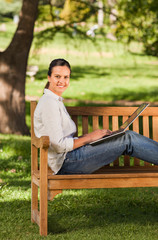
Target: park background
{"points": [[112, 47]]}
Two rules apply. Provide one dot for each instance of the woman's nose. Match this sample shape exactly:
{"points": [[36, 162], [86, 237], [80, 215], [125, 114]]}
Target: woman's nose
{"points": [[61, 80]]}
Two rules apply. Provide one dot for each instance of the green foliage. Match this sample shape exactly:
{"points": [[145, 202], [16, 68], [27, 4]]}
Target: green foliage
{"points": [[136, 21], [48, 13], [75, 11], [56, 3], [10, 8], [49, 10], [139, 21], [44, 13]]}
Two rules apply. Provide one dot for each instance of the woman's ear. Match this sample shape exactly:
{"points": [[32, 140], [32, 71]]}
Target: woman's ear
{"points": [[48, 78]]}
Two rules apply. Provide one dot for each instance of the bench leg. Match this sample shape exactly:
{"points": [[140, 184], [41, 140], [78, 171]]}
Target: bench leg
{"points": [[34, 201], [43, 193], [34, 186], [43, 213]]}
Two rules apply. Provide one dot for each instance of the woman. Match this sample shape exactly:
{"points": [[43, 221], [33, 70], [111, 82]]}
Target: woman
{"points": [[69, 155]]}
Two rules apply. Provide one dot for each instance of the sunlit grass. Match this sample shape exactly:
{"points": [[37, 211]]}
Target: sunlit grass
{"points": [[106, 72]]}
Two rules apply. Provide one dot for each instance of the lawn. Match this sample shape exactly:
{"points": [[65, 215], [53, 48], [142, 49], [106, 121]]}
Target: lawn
{"points": [[114, 214], [101, 72]]}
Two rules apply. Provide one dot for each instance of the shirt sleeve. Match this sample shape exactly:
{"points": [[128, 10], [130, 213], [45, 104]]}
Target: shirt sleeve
{"points": [[51, 118]]}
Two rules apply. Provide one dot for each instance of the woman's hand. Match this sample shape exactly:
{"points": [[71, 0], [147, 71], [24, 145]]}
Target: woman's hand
{"points": [[90, 137], [97, 134]]}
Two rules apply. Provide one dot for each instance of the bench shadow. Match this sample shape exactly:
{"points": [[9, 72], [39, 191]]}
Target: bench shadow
{"points": [[86, 209], [93, 209]]}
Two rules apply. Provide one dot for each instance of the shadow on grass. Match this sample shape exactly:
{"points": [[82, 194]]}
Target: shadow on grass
{"points": [[41, 74], [78, 72], [16, 180], [102, 208], [140, 94], [124, 94], [15, 153], [93, 71], [83, 210], [16, 220]]}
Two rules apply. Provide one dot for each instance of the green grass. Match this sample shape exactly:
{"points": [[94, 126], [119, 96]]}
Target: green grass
{"points": [[110, 73], [105, 71]]}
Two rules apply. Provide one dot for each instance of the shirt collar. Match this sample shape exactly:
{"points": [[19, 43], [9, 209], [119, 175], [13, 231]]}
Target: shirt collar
{"points": [[49, 92]]}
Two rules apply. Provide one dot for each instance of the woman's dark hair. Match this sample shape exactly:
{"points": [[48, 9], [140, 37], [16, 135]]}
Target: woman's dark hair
{"points": [[58, 62], [55, 63]]}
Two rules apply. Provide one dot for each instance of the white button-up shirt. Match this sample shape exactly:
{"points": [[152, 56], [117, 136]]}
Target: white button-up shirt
{"points": [[52, 119]]}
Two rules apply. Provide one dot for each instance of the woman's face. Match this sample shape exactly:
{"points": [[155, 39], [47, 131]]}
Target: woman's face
{"points": [[59, 79]]}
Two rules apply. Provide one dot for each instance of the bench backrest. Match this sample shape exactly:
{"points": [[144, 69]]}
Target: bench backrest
{"points": [[92, 118]]}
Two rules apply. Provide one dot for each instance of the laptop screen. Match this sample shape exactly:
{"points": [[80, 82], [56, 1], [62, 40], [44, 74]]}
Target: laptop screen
{"points": [[134, 115]]}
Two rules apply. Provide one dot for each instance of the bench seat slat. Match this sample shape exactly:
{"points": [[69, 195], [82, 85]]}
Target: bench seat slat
{"points": [[136, 181], [107, 175], [86, 183]]}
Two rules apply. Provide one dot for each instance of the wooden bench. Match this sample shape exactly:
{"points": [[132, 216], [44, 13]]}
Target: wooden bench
{"points": [[123, 173]]}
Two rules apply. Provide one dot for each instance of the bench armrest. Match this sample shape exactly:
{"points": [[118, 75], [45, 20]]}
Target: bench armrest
{"points": [[42, 142]]}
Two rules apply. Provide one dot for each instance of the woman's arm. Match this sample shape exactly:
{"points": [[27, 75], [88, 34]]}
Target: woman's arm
{"points": [[52, 118], [90, 137]]}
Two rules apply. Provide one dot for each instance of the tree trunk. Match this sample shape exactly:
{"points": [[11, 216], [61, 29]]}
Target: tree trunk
{"points": [[13, 63]]}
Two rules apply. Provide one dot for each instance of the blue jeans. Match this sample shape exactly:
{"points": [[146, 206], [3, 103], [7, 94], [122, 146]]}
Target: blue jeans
{"points": [[87, 159]]}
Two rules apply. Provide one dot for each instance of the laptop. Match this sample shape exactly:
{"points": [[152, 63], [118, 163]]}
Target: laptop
{"points": [[124, 126]]}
